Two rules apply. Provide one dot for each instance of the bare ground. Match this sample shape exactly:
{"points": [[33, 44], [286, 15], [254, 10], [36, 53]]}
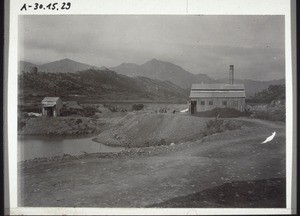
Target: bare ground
{"points": [[155, 175], [146, 129]]}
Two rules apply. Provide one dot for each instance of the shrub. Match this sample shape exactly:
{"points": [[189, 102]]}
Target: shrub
{"points": [[70, 111], [219, 126], [273, 92], [89, 111], [137, 106], [36, 109], [78, 121], [113, 109], [162, 142], [277, 115], [223, 113], [159, 142]]}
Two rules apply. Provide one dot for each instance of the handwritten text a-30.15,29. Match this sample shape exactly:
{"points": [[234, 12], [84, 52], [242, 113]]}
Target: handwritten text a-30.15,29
{"points": [[51, 6]]}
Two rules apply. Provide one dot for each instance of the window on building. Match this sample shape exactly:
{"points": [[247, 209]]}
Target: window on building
{"points": [[224, 103], [202, 102], [210, 103]]}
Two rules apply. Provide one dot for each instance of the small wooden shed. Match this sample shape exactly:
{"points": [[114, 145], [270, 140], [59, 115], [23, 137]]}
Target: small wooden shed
{"points": [[51, 106]]}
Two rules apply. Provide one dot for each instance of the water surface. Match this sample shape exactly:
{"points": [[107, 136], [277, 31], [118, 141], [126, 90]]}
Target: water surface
{"points": [[30, 147]]}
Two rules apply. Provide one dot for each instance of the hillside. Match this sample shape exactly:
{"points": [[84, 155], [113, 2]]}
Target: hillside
{"points": [[252, 86], [62, 66], [272, 93], [99, 84], [160, 70], [26, 66]]}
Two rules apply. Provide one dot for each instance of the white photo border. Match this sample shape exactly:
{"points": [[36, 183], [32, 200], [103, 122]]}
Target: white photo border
{"points": [[174, 7]]}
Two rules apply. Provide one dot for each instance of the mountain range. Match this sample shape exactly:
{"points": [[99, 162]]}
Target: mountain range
{"points": [[63, 66], [160, 70], [97, 84], [153, 69]]}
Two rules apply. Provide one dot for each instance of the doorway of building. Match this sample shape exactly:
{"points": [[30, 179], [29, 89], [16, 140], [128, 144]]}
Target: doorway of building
{"points": [[49, 111], [193, 107]]}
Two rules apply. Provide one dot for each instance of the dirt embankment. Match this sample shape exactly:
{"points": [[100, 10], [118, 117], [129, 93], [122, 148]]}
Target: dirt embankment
{"points": [[154, 129], [268, 193], [135, 129], [60, 126]]}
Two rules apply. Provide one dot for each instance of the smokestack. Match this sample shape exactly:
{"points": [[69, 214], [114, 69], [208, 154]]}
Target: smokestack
{"points": [[231, 74]]}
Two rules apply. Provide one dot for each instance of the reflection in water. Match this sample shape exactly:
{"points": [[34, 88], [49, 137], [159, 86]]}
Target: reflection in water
{"points": [[34, 147]]}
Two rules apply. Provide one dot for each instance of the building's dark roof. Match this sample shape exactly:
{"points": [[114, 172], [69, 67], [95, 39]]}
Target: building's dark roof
{"points": [[218, 87], [217, 94], [217, 91], [50, 101]]}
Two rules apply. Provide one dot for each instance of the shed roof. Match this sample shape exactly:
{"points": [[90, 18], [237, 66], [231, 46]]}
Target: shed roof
{"points": [[50, 99], [223, 87], [217, 94]]}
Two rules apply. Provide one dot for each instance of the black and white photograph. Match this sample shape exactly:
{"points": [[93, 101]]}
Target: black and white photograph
{"points": [[151, 111]]}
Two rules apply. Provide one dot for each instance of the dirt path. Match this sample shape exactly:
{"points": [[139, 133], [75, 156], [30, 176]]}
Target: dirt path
{"points": [[140, 181]]}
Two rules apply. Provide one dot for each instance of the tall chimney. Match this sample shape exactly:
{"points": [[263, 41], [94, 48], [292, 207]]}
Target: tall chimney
{"points": [[231, 73]]}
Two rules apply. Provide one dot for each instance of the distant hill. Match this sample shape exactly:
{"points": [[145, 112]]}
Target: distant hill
{"points": [[26, 66], [62, 66], [164, 71], [160, 70], [272, 93], [203, 78], [254, 86], [99, 84], [154, 69]]}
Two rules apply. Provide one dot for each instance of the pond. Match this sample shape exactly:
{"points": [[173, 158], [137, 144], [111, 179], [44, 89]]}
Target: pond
{"points": [[30, 147]]}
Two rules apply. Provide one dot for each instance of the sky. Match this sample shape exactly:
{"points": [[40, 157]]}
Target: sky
{"points": [[200, 44]]}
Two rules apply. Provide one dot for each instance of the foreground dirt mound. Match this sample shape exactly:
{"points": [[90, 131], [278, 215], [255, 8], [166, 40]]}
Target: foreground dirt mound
{"points": [[223, 113], [267, 193], [137, 129], [58, 126]]}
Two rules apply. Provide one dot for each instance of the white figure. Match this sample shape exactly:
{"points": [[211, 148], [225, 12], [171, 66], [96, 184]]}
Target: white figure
{"points": [[185, 110], [269, 138]]}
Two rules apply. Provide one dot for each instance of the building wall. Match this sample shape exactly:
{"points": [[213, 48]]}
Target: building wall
{"points": [[55, 113], [59, 105], [44, 113], [236, 103]]}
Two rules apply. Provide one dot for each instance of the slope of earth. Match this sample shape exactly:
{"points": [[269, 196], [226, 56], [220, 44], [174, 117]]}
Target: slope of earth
{"points": [[61, 126], [157, 174], [138, 129], [104, 84], [238, 194]]}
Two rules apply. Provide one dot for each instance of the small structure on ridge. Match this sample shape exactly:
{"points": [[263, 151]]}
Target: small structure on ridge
{"points": [[51, 106]]}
